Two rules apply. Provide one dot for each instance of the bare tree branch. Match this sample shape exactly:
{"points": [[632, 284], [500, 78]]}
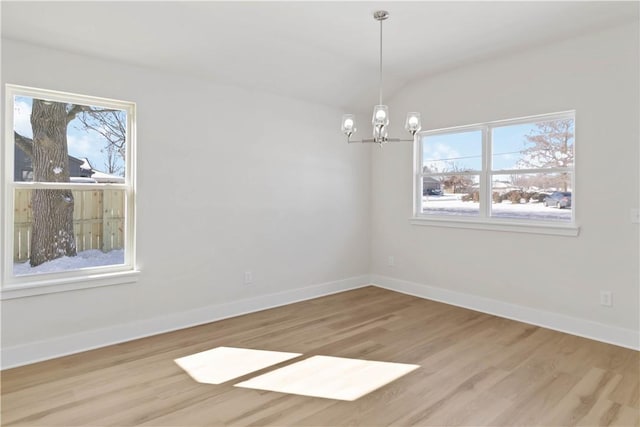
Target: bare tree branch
{"points": [[77, 109], [112, 126], [73, 112]]}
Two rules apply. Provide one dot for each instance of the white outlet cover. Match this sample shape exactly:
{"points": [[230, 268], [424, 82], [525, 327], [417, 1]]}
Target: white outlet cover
{"points": [[606, 298]]}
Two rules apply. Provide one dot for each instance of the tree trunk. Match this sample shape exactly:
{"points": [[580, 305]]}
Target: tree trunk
{"points": [[52, 234]]}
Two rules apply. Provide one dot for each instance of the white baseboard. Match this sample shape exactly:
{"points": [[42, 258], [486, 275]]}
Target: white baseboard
{"points": [[622, 337], [69, 344], [76, 343]]}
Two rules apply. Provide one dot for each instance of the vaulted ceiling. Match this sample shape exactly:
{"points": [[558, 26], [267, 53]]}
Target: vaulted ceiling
{"points": [[324, 52]]}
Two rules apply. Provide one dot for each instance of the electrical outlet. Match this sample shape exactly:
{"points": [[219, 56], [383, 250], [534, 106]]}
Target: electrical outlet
{"points": [[635, 216], [391, 261], [248, 277], [606, 298]]}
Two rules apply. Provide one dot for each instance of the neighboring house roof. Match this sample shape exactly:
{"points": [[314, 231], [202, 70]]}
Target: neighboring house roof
{"points": [[80, 170], [105, 177], [430, 179], [85, 164], [99, 176], [23, 166], [82, 180]]}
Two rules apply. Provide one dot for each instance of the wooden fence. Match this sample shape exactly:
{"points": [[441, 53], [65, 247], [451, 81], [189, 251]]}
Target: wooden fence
{"points": [[98, 221]]}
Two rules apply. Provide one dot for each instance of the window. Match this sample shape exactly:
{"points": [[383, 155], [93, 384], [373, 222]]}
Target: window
{"points": [[509, 174], [69, 192]]}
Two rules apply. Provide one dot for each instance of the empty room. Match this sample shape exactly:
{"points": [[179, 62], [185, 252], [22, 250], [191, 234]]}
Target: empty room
{"points": [[320, 213]]}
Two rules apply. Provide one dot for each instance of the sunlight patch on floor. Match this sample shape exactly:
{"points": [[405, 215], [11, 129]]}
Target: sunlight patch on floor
{"points": [[223, 364], [330, 377]]}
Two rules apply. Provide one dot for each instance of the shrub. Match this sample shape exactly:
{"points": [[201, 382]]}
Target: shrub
{"points": [[473, 196], [515, 196]]}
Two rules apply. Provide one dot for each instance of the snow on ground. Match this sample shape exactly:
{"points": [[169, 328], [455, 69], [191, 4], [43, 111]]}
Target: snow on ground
{"points": [[84, 259], [447, 204], [451, 204]]}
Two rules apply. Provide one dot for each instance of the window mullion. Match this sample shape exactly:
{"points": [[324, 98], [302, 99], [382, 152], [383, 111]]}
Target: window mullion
{"points": [[418, 176], [485, 176], [461, 173]]}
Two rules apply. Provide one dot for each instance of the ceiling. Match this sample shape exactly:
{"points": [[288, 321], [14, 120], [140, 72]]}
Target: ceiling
{"points": [[324, 52]]}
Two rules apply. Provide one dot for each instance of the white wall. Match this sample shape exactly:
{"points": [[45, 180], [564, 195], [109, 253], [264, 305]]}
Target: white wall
{"points": [[228, 180], [552, 279], [231, 180]]}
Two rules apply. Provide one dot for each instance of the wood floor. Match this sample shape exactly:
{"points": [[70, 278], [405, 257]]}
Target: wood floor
{"points": [[476, 369]]}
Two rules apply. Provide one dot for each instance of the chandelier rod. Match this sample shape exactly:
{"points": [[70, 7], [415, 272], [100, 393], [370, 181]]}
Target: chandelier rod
{"points": [[380, 99]]}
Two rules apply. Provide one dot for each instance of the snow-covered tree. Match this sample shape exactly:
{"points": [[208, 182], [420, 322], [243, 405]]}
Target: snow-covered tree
{"points": [[550, 145]]}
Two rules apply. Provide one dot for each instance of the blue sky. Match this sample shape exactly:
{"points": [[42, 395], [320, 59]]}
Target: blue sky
{"points": [[465, 148], [80, 143]]}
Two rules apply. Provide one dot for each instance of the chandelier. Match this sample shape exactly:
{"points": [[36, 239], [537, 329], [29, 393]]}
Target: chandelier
{"points": [[380, 120]]}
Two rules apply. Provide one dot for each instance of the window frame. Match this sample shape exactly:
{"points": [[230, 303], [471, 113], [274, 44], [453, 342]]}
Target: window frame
{"points": [[484, 220], [44, 283]]}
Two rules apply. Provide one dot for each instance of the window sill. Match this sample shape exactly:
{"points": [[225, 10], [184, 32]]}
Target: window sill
{"points": [[44, 287], [496, 225]]}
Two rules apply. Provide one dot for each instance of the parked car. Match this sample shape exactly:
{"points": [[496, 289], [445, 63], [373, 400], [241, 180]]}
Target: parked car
{"points": [[559, 199], [431, 192]]}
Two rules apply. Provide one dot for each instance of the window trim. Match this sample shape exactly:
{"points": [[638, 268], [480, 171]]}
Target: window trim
{"points": [[484, 220], [45, 283]]}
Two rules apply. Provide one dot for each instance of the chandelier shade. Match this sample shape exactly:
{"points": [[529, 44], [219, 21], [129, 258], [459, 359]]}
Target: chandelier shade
{"points": [[380, 115], [380, 119], [412, 124], [348, 124]]}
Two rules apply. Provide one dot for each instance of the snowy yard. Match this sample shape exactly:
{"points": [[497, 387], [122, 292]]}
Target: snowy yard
{"points": [[451, 204], [447, 204], [84, 259]]}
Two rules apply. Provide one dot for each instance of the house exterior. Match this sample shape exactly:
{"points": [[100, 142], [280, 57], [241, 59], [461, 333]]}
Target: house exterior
{"points": [[23, 167], [430, 183], [80, 170]]}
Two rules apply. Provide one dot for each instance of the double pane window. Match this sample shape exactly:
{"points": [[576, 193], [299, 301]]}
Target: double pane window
{"points": [[515, 170]]}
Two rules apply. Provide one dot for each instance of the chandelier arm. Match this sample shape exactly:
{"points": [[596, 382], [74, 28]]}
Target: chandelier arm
{"points": [[373, 140], [363, 141]]}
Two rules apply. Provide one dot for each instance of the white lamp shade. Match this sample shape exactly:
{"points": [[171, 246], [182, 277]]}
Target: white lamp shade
{"points": [[413, 124], [380, 115], [348, 124]]}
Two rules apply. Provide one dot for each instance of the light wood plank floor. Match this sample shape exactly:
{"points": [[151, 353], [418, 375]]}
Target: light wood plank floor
{"points": [[476, 369]]}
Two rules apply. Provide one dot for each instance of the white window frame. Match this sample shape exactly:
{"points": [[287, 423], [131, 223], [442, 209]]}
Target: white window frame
{"points": [[37, 284], [484, 221]]}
